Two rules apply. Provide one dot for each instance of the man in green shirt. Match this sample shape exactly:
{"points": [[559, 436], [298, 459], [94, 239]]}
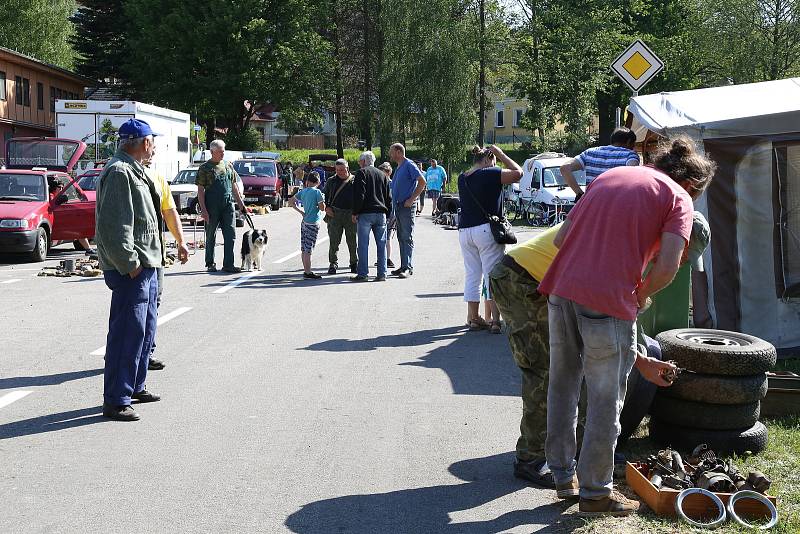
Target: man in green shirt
{"points": [[216, 191]]}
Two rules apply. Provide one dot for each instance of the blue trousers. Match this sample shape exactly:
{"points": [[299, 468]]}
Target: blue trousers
{"points": [[405, 234], [375, 224], [131, 331], [222, 217]]}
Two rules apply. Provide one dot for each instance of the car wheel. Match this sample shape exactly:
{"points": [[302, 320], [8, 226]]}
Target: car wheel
{"points": [[717, 352], [750, 439], [718, 389], [705, 415], [39, 252]]}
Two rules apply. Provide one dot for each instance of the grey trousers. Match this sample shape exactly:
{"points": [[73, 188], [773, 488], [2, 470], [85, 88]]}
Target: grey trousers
{"points": [[585, 344]]}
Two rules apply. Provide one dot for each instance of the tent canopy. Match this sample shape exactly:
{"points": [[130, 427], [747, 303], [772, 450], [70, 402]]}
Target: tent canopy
{"points": [[717, 112]]}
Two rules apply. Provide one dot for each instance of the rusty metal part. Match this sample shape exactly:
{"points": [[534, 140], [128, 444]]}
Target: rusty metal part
{"points": [[759, 481], [716, 482]]}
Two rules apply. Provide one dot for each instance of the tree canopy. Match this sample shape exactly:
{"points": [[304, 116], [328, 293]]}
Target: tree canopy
{"points": [[40, 29]]}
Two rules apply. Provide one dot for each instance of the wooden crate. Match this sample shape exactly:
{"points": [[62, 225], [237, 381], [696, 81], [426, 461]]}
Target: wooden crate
{"points": [[662, 501]]}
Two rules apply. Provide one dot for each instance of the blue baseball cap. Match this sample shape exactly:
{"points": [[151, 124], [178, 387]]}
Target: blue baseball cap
{"points": [[135, 129]]}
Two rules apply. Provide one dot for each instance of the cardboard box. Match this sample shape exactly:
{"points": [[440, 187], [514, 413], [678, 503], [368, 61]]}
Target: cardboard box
{"points": [[662, 501]]}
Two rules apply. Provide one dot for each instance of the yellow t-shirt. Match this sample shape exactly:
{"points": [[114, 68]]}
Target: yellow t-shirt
{"points": [[162, 186], [536, 255]]}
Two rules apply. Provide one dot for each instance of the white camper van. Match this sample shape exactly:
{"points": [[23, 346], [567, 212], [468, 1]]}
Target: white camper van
{"points": [[95, 122]]}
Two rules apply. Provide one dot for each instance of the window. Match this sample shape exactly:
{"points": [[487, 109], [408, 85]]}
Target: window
{"points": [[52, 98], [183, 144], [518, 113], [59, 94], [18, 90], [26, 92], [39, 95], [3, 86], [499, 122]]}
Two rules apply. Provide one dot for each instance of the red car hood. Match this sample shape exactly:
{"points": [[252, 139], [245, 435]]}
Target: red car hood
{"points": [[20, 209], [251, 180]]}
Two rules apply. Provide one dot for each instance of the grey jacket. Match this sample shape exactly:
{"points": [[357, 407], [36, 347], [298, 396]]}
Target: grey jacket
{"points": [[128, 217]]}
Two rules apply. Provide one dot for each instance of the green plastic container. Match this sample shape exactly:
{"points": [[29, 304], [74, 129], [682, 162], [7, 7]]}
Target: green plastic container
{"points": [[670, 308]]}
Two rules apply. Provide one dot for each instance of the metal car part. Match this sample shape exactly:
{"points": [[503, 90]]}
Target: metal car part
{"points": [[716, 500], [736, 497], [759, 481]]}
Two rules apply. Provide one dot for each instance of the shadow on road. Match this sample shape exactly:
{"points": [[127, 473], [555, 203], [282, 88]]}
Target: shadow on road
{"points": [[52, 422], [47, 380], [411, 339], [428, 509], [439, 295]]}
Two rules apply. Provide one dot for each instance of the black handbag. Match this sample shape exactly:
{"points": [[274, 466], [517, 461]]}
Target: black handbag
{"points": [[501, 229]]}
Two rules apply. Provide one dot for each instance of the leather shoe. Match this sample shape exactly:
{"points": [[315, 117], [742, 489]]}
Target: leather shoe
{"points": [[155, 365], [146, 396], [354, 269], [332, 268], [535, 471], [120, 413], [211, 268], [234, 270]]}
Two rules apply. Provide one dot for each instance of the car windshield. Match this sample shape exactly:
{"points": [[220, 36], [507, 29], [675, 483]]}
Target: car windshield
{"points": [[185, 177], [258, 168], [22, 187], [89, 183], [553, 177]]}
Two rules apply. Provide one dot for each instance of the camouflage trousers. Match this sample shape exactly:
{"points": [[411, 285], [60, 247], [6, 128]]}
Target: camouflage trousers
{"points": [[524, 310]]}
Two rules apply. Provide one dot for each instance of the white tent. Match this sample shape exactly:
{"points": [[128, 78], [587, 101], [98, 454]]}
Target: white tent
{"points": [[752, 131]]}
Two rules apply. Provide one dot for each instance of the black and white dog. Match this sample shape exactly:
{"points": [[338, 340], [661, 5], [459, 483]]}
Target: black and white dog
{"points": [[254, 243]]}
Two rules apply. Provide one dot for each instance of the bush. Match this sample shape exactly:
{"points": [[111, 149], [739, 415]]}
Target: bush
{"points": [[248, 140]]}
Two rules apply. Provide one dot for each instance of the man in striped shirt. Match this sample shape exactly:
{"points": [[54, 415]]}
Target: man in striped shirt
{"points": [[595, 161]]}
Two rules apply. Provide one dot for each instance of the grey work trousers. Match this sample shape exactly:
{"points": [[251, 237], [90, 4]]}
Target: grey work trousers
{"points": [[586, 345]]}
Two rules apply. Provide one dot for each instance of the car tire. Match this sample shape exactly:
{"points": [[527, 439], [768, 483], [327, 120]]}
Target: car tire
{"points": [[703, 414], [42, 246], [715, 389], [717, 352], [752, 439]]}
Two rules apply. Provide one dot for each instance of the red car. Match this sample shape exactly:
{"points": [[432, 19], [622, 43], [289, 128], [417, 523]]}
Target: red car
{"points": [[262, 184], [41, 204]]}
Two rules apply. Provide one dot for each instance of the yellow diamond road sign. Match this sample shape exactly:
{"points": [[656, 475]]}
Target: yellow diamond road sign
{"points": [[637, 65]]}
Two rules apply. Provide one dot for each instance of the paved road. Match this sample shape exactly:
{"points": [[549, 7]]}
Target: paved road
{"points": [[288, 405]]}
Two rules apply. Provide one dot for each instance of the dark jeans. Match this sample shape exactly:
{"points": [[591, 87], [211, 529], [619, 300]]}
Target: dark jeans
{"points": [[223, 218], [131, 331]]}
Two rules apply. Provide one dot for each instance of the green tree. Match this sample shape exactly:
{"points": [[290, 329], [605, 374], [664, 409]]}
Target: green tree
{"points": [[100, 41], [40, 29]]}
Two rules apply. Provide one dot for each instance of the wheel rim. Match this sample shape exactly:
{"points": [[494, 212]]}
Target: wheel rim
{"points": [[716, 340], [42, 245]]}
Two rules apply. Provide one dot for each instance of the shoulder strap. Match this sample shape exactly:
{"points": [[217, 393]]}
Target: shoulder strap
{"points": [[341, 186]]}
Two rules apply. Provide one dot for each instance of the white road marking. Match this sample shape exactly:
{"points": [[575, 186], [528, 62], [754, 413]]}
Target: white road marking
{"points": [[297, 252], [236, 282], [14, 396], [13, 280], [161, 320]]}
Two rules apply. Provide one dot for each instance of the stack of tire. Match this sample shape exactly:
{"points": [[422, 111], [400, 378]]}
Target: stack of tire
{"points": [[717, 399]]}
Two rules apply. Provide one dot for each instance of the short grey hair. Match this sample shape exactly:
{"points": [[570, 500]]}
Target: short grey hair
{"points": [[367, 157], [132, 144], [343, 162], [218, 144]]}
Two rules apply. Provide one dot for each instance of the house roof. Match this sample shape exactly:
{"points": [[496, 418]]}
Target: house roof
{"points": [[735, 110], [41, 65]]}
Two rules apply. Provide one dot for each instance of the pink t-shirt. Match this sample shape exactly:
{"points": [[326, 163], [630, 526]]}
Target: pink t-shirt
{"points": [[615, 231]]}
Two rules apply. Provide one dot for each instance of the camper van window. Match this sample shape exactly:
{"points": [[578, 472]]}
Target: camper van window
{"points": [[536, 183], [183, 144]]}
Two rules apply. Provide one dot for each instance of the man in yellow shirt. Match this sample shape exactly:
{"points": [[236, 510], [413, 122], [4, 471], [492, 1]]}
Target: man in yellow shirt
{"points": [[172, 220], [514, 284]]}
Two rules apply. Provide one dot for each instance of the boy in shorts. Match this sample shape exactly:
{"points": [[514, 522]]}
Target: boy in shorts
{"points": [[313, 210]]}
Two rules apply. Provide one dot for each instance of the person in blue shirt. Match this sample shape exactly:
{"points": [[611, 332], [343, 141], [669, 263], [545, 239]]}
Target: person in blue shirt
{"points": [[595, 161], [436, 177], [407, 185], [313, 210]]}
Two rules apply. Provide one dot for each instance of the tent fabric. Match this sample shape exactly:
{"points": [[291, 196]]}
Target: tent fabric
{"points": [[729, 111], [752, 278]]}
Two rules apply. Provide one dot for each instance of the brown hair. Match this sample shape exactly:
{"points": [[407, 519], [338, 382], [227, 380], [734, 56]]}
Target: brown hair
{"points": [[479, 154], [679, 159]]}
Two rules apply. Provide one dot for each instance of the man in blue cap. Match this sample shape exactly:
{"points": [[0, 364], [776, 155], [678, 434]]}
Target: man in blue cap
{"points": [[130, 249]]}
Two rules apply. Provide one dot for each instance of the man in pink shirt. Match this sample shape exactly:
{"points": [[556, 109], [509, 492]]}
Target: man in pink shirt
{"points": [[628, 217]]}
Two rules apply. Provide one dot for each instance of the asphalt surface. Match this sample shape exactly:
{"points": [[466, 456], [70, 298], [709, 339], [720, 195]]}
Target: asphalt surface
{"points": [[287, 405]]}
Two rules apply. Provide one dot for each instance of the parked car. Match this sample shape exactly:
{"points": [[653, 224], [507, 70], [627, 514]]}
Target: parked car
{"points": [[184, 193], [542, 182], [41, 204], [262, 184]]}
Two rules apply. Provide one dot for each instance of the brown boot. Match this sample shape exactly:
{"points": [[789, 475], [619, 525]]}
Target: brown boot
{"points": [[615, 504], [568, 490]]}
